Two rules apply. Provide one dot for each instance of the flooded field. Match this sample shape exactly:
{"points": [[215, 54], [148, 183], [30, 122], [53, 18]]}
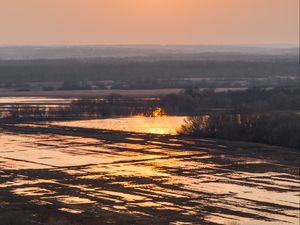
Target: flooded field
{"points": [[82, 173], [7, 103], [33, 100]]}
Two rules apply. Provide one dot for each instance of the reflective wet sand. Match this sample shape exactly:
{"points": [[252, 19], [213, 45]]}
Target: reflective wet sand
{"points": [[111, 177]]}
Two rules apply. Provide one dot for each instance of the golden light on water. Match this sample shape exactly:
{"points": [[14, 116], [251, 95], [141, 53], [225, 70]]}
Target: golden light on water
{"points": [[156, 123], [134, 175]]}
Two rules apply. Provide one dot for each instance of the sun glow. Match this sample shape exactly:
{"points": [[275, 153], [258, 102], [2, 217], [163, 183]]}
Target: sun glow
{"points": [[155, 112], [149, 21], [158, 112], [140, 124]]}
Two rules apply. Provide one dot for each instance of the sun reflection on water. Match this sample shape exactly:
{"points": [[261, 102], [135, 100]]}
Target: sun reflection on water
{"points": [[140, 124]]}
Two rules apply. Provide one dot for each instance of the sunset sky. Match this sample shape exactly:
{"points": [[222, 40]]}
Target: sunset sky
{"points": [[37, 22]]}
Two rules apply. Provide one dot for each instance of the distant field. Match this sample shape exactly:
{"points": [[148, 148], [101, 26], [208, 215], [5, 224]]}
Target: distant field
{"points": [[88, 93], [101, 93]]}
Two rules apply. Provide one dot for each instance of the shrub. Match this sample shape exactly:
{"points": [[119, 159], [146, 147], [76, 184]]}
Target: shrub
{"points": [[271, 128]]}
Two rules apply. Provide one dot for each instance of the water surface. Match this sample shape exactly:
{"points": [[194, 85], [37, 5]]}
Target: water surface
{"points": [[32, 100], [153, 179], [139, 124]]}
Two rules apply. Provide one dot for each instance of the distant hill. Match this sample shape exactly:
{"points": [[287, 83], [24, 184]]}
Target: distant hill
{"points": [[117, 63], [123, 51]]}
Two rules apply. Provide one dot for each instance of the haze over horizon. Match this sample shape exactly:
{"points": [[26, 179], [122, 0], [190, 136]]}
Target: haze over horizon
{"points": [[157, 22]]}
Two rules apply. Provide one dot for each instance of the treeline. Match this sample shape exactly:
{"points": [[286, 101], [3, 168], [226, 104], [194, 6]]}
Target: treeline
{"points": [[113, 105], [282, 129], [193, 100], [116, 69], [180, 83], [206, 83], [268, 116]]}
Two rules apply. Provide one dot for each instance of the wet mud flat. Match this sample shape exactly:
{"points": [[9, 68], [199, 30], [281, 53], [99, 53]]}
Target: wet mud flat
{"points": [[58, 175]]}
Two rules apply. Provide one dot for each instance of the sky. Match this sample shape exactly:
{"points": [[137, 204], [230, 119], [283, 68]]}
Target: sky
{"points": [[166, 22]]}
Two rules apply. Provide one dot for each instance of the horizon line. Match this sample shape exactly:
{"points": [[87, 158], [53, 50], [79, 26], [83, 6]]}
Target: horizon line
{"points": [[155, 45]]}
